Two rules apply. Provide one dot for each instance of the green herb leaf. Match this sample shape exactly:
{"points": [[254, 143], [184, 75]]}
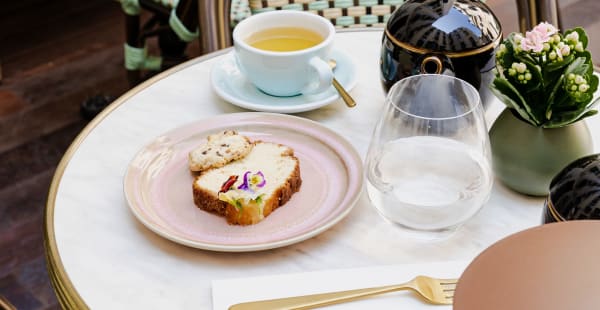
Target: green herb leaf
{"points": [[238, 205]]}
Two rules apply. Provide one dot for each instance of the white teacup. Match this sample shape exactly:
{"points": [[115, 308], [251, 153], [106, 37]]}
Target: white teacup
{"points": [[273, 50]]}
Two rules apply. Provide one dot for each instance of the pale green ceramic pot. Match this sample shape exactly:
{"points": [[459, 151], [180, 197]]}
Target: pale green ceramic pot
{"points": [[526, 158]]}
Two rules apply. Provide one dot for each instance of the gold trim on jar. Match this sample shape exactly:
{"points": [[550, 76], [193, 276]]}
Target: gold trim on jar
{"points": [[553, 211], [420, 50]]}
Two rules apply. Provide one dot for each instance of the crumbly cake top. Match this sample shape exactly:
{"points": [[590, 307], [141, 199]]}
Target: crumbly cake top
{"points": [[219, 150]]}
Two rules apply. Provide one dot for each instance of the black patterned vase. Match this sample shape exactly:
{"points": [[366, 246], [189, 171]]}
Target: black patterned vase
{"points": [[453, 37], [575, 192]]}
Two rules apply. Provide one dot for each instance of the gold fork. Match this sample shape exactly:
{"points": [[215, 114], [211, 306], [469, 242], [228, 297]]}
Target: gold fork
{"points": [[435, 291]]}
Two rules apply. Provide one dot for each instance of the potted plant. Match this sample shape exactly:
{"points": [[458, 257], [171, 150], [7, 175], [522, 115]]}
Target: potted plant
{"points": [[546, 80]]}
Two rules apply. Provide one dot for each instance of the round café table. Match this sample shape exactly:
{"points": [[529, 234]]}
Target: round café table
{"points": [[100, 256]]}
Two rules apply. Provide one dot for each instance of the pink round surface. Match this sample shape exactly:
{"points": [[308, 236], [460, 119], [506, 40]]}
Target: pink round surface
{"points": [[158, 184], [550, 267]]}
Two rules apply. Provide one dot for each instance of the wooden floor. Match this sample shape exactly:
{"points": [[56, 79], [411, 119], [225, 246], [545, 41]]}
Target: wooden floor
{"points": [[53, 56]]}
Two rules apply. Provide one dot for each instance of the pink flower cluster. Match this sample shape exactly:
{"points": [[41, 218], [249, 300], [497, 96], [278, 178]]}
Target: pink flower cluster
{"points": [[534, 40]]}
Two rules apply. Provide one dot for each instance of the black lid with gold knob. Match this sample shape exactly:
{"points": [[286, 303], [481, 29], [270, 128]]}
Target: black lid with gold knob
{"points": [[447, 26], [452, 37]]}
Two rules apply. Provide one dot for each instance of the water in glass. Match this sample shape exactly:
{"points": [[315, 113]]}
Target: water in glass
{"points": [[428, 183], [428, 164]]}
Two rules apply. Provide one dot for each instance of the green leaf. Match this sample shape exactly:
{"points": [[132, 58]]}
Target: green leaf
{"points": [[588, 57], [552, 84], [561, 101], [511, 97], [576, 114], [578, 66], [587, 114], [557, 86], [593, 84], [568, 119]]}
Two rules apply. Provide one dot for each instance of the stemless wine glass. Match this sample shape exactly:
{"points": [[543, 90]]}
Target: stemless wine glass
{"points": [[428, 164]]}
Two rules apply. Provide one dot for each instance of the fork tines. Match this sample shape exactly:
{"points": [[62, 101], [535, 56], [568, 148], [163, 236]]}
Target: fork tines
{"points": [[448, 287]]}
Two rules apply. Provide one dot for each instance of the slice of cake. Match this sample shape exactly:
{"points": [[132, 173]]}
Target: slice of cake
{"points": [[247, 190]]}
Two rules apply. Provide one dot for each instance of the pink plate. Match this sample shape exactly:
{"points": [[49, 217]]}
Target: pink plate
{"points": [[158, 184]]}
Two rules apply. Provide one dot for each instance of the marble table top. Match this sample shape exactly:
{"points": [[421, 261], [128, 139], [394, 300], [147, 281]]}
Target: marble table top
{"points": [[102, 257]]}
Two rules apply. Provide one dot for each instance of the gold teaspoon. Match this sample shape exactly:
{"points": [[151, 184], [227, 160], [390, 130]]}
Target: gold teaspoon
{"points": [[343, 93]]}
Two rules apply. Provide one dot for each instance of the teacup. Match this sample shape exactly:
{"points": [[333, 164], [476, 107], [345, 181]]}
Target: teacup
{"points": [[285, 53]]}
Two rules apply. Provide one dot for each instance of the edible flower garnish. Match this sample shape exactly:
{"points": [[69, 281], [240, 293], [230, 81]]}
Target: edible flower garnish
{"points": [[251, 183], [246, 193], [228, 184]]}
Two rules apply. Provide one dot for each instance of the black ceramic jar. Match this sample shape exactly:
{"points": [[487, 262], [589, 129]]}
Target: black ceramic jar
{"points": [[575, 192], [453, 37]]}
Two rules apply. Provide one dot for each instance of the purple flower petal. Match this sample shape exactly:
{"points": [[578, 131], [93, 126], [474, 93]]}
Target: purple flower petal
{"points": [[244, 186]]}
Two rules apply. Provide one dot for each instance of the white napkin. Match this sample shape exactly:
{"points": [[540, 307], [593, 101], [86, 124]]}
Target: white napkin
{"points": [[231, 291]]}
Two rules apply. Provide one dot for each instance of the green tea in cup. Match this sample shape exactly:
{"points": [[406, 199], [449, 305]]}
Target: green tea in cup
{"points": [[284, 39]]}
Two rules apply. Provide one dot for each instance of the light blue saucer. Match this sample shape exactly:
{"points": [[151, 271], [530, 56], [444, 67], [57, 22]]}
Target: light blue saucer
{"points": [[231, 85]]}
